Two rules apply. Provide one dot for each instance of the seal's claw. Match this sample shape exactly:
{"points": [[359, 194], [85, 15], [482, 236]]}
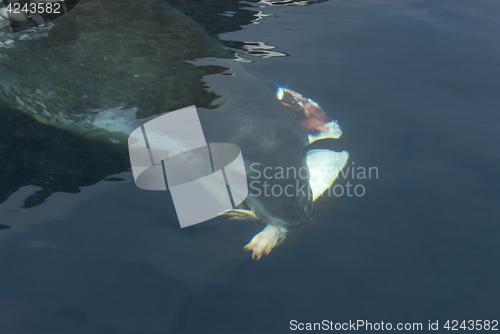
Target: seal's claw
{"points": [[263, 242]]}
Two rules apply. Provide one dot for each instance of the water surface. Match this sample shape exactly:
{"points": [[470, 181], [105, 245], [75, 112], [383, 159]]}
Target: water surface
{"points": [[415, 87]]}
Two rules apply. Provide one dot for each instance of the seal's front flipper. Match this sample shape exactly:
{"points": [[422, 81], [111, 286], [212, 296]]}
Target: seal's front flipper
{"points": [[263, 242], [324, 168]]}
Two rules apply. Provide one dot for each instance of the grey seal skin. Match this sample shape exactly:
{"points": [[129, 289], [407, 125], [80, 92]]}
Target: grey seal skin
{"points": [[108, 66]]}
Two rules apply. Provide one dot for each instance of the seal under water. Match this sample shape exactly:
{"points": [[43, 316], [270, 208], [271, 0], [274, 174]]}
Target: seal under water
{"points": [[108, 66]]}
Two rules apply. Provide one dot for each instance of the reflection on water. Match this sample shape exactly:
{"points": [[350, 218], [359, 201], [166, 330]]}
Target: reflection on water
{"points": [[50, 159], [414, 84], [91, 72], [219, 17], [159, 80]]}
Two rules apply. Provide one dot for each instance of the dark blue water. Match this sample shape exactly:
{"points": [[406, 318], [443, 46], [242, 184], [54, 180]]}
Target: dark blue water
{"points": [[415, 86]]}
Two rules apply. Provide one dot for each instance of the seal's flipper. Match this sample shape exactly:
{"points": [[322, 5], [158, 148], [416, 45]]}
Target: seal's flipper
{"points": [[327, 150], [263, 242], [324, 168], [326, 156]]}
